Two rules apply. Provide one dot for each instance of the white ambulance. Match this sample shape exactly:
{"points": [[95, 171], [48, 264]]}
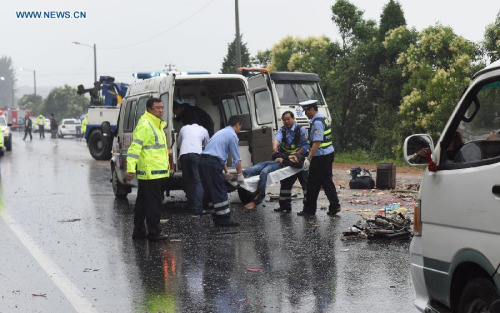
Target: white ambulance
{"points": [[455, 251], [257, 100]]}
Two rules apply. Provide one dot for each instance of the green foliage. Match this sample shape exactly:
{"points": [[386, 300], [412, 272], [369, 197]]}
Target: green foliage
{"points": [[7, 82], [262, 59], [438, 67], [29, 102], [491, 43], [392, 17], [64, 103], [229, 63]]}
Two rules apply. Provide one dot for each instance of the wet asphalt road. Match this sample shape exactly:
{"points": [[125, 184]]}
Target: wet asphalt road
{"points": [[66, 247]]}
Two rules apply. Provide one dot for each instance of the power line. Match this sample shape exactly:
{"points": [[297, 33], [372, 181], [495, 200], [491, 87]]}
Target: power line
{"points": [[165, 31]]}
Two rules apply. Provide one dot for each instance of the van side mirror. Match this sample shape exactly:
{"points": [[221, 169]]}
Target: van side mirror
{"points": [[416, 147]]}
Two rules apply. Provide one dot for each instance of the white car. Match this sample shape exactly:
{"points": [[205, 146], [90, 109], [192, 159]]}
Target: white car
{"points": [[67, 127], [7, 136], [35, 126]]}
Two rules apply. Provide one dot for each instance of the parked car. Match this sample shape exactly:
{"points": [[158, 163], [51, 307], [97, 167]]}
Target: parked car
{"points": [[35, 127], [6, 134], [67, 127]]}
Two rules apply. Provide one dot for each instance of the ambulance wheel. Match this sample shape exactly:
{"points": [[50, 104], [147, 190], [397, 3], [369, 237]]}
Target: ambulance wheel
{"points": [[477, 296], [119, 190], [99, 146], [245, 195]]}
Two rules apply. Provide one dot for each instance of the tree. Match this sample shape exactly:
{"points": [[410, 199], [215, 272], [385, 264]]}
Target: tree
{"points": [[351, 88], [491, 43], [438, 68], [65, 103], [392, 17], [229, 63], [395, 39], [7, 82], [27, 102], [261, 59]]}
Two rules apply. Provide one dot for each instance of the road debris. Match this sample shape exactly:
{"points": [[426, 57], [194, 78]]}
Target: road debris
{"points": [[393, 226]]}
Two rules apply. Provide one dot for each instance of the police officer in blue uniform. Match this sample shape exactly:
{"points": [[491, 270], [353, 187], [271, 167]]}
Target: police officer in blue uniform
{"points": [[212, 163], [321, 156], [291, 139]]}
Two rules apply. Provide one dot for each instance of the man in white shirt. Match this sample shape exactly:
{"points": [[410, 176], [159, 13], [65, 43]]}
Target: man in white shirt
{"points": [[192, 138]]}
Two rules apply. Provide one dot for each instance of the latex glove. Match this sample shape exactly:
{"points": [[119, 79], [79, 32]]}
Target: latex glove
{"points": [[307, 163], [228, 177], [240, 179]]}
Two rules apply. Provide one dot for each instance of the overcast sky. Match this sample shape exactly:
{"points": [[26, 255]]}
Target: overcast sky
{"points": [[191, 35]]}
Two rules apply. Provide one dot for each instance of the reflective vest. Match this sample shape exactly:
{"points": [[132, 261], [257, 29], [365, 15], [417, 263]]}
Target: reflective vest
{"points": [[294, 146], [327, 134], [148, 151], [84, 124]]}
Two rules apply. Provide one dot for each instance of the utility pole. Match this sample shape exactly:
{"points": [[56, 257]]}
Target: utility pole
{"points": [[170, 65], [238, 39]]}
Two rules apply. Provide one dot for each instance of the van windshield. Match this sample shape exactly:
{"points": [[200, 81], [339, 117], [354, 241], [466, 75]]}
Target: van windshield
{"points": [[293, 92]]}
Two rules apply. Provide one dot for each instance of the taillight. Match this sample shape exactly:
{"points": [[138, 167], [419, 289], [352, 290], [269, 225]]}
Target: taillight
{"points": [[417, 219], [63, 126]]}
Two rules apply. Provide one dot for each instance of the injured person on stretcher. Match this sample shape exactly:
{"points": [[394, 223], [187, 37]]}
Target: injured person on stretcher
{"points": [[260, 175]]}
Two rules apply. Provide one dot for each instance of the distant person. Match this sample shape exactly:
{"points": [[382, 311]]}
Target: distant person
{"points": [[53, 127], [189, 114], [20, 122], [191, 140], [84, 125], [40, 121], [213, 162], [28, 124], [78, 129]]}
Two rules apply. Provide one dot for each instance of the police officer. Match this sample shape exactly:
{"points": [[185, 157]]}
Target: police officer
{"points": [[321, 156], [213, 162], [147, 157], [291, 139]]}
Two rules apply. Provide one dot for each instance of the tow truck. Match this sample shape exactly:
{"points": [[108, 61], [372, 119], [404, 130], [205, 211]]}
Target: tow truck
{"points": [[102, 117]]}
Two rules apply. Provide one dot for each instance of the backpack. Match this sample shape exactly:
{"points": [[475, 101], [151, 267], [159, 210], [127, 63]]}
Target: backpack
{"points": [[361, 179]]}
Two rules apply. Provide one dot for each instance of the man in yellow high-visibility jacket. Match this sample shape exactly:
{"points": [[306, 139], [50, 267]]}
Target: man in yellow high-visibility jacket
{"points": [[147, 157]]}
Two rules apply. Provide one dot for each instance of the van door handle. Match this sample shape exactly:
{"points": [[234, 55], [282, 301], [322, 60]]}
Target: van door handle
{"points": [[496, 190]]}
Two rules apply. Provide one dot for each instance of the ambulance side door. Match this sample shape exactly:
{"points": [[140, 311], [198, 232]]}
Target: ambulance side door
{"points": [[262, 108]]}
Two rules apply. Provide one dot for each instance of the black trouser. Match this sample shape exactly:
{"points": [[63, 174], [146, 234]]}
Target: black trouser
{"points": [[148, 206], [286, 189], [41, 129], [27, 130], [320, 175]]}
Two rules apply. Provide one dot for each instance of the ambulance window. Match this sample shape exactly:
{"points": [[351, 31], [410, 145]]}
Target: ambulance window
{"points": [[479, 127], [242, 100], [264, 107], [129, 116], [141, 108], [229, 106], [164, 100]]}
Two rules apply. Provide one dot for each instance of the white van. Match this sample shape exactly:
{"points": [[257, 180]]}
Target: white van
{"points": [[256, 101], [455, 251]]}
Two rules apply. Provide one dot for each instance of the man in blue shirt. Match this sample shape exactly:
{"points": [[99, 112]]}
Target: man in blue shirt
{"points": [[291, 139], [321, 155], [213, 162]]}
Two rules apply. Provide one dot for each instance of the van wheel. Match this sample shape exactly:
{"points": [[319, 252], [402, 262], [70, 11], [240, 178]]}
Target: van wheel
{"points": [[119, 190], [99, 146], [8, 143], [477, 296], [245, 195]]}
